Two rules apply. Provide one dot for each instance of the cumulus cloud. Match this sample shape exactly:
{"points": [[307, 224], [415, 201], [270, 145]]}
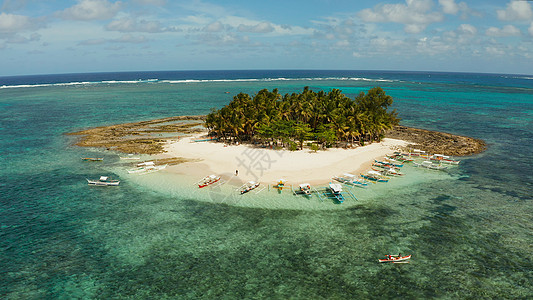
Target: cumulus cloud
{"points": [[467, 29], [507, 30], [87, 10], [263, 27], [215, 27], [414, 14], [10, 23], [452, 8], [516, 10], [133, 25]]}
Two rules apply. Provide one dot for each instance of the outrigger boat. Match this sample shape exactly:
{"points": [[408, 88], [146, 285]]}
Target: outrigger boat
{"points": [[103, 181], [208, 180], [400, 158], [387, 171], [388, 163], [130, 157], [336, 190], [430, 165], [92, 158], [395, 259], [281, 185], [304, 188], [351, 179], [444, 159], [375, 176], [250, 185]]}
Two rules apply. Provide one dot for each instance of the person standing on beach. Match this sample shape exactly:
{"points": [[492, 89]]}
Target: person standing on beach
{"points": [[236, 172]]}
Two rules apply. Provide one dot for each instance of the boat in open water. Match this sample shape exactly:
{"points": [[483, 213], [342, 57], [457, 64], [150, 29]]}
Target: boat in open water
{"points": [[103, 181], [396, 259]]}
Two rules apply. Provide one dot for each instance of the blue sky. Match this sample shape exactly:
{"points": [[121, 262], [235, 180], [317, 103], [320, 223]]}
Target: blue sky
{"points": [[42, 37]]}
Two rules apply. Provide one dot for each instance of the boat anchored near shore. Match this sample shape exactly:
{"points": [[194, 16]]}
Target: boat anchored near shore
{"points": [[103, 181]]}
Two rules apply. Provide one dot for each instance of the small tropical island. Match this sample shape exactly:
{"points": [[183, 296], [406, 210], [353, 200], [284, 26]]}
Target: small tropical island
{"points": [[307, 136]]}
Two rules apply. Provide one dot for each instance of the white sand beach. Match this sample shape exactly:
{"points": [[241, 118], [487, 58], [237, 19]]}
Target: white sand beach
{"points": [[268, 166]]}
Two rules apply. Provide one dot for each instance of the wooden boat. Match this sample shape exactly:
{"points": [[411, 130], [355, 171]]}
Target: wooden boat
{"points": [[384, 165], [375, 176], [103, 181], [336, 190], [208, 180], [430, 165], [351, 179], [444, 159], [250, 185], [92, 158], [395, 259]]}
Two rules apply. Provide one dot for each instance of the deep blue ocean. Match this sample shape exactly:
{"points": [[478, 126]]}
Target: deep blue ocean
{"points": [[470, 234]]}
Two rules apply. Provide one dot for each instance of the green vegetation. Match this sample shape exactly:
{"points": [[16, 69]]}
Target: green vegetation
{"points": [[326, 118]]}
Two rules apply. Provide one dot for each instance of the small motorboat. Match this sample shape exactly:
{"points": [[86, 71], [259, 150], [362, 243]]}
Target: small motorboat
{"points": [[103, 181], [396, 259]]}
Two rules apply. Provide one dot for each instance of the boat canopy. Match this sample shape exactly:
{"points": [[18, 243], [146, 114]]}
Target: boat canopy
{"points": [[349, 175], [337, 188], [374, 172], [305, 185], [103, 178]]}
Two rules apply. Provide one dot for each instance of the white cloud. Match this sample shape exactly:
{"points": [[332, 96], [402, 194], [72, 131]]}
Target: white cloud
{"points": [[452, 8], [263, 27], [215, 27], [87, 10], [132, 25], [515, 11], [507, 30], [10, 23], [467, 29], [415, 14]]}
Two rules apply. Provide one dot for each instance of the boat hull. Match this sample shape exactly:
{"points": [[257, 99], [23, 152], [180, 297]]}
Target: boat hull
{"points": [[396, 259]]}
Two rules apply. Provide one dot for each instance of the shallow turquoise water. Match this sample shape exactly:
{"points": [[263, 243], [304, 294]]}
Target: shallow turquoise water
{"points": [[469, 230]]}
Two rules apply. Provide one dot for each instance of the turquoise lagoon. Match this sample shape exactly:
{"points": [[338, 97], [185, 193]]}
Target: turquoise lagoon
{"points": [[468, 228]]}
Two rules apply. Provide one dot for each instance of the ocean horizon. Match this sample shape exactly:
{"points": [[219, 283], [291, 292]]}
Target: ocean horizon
{"points": [[468, 228]]}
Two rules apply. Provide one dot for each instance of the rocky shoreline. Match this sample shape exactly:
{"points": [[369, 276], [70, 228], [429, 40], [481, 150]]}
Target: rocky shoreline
{"points": [[437, 142], [148, 137]]}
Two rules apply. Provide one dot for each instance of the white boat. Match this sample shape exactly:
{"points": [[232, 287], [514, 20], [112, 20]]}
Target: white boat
{"points": [[304, 188], [430, 165], [386, 171], [208, 180], [336, 191], [130, 157], [103, 181], [351, 179], [250, 185], [444, 159]]}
